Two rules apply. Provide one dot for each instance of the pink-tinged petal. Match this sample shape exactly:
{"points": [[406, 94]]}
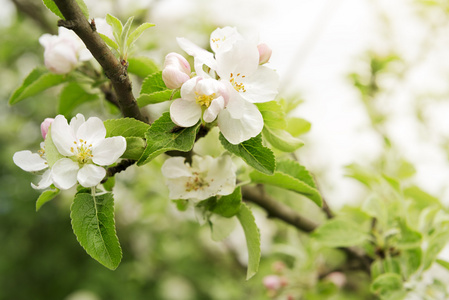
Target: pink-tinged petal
{"points": [[173, 78], [60, 58], [45, 125], [109, 150], [28, 161], [76, 122], [264, 53], [92, 131], [175, 167], [45, 181], [240, 130], [261, 86], [62, 135], [47, 39], [64, 173], [216, 106], [185, 113], [242, 58], [91, 175]]}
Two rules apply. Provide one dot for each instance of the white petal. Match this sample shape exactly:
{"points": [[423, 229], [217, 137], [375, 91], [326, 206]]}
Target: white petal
{"points": [[222, 39], [45, 181], [64, 173], [47, 39], [109, 150], [90, 175], [188, 88], [62, 135], [76, 122], [216, 106], [60, 58], [177, 188], [28, 161], [242, 58], [175, 167], [221, 176], [185, 113], [92, 131], [200, 55], [239, 130], [261, 86]]}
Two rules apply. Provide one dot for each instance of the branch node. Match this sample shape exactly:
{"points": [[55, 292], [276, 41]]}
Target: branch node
{"points": [[92, 25], [69, 24]]}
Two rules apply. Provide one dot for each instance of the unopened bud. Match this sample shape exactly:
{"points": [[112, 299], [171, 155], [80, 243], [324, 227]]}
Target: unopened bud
{"points": [[176, 70], [278, 266], [272, 282], [264, 53], [338, 278], [45, 125]]}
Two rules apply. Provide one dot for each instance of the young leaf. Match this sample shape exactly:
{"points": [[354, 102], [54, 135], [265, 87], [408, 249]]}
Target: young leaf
{"points": [[142, 66], [37, 81], [292, 176], [253, 153], [51, 5], [71, 97], [272, 114], [124, 35], [94, 226], [117, 26], [137, 33], [281, 139], [111, 43], [225, 206], [164, 135], [252, 236], [157, 97], [83, 8], [436, 243], [386, 284], [298, 126], [134, 148], [339, 233], [126, 127], [45, 197], [153, 83]]}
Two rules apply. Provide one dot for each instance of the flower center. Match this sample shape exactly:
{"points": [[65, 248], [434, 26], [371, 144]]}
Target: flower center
{"points": [[82, 152], [204, 100], [238, 86], [196, 182]]}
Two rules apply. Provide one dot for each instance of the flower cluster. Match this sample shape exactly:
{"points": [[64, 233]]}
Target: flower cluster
{"points": [[225, 86], [64, 51], [81, 149]]}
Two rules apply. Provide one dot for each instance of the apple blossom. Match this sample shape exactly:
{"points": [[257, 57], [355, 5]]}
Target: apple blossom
{"points": [[63, 51], [36, 163], [222, 39], [45, 126], [206, 177], [85, 149], [264, 53], [272, 282], [176, 70]]}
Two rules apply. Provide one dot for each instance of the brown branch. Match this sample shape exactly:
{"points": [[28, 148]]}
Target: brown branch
{"points": [[114, 70], [121, 166]]}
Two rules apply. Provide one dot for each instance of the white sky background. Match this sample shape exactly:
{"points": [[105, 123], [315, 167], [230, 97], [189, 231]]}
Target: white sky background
{"points": [[316, 44]]}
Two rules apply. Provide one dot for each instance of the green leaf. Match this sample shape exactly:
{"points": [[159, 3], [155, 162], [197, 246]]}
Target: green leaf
{"points": [[94, 226], [126, 127], [45, 197], [386, 284], [72, 96], [157, 97], [273, 115], [117, 26], [298, 126], [410, 261], [37, 81], [408, 238], [137, 33], [281, 139], [111, 43], [164, 135], [153, 83], [225, 206], [51, 5], [253, 153], [142, 66], [339, 233], [83, 7], [252, 236], [436, 243], [221, 227], [124, 35], [292, 176], [420, 198], [134, 148], [443, 263], [51, 152]]}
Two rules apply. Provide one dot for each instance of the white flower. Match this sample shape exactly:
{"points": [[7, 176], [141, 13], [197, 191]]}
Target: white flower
{"points": [[85, 148], [264, 53], [64, 51], [176, 70], [198, 95], [222, 39], [206, 177], [36, 163]]}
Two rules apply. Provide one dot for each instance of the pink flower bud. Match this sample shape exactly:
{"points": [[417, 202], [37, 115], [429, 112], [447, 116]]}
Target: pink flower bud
{"points": [[45, 125], [338, 278], [176, 70], [278, 267], [272, 282], [264, 53]]}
